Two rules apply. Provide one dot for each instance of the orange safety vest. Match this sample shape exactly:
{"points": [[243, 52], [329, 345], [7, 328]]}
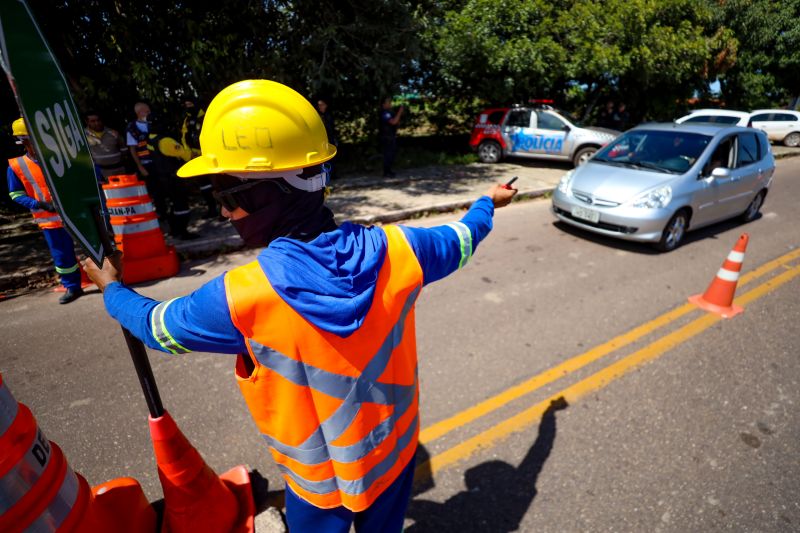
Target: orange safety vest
{"points": [[30, 174], [340, 415]]}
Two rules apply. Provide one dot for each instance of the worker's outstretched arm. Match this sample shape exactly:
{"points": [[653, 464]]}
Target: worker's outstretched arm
{"points": [[441, 250], [197, 322]]}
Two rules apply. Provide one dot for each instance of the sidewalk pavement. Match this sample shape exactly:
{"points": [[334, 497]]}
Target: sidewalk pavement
{"points": [[25, 261]]}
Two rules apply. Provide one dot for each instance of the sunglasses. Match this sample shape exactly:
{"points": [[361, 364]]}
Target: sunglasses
{"points": [[236, 197]]}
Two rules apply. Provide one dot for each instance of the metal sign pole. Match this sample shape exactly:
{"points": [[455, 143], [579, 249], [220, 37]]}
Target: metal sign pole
{"points": [[136, 348]]}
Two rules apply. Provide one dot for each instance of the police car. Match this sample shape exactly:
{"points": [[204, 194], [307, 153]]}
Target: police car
{"points": [[539, 131]]}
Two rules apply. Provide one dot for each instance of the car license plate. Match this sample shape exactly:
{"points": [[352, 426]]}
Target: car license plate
{"points": [[586, 214]]}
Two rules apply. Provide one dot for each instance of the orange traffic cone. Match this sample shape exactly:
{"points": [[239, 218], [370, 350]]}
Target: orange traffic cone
{"points": [[195, 499], [718, 298], [40, 492]]}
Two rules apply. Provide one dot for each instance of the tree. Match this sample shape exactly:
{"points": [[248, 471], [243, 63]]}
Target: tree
{"points": [[767, 67], [115, 53], [650, 53]]}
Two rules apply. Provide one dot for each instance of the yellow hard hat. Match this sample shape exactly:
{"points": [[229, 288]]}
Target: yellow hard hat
{"points": [[260, 127], [18, 128]]}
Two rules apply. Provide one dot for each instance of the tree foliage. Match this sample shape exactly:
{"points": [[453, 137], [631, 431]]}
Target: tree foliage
{"points": [[118, 52], [460, 54], [767, 66], [641, 50]]}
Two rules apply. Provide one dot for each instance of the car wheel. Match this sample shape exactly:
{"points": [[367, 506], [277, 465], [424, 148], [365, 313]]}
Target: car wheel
{"points": [[793, 140], [752, 210], [583, 155], [674, 231], [489, 152]]}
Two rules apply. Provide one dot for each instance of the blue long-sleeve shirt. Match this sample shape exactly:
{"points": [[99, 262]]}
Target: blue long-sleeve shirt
{"points": [[17, 192], [330, 281]]}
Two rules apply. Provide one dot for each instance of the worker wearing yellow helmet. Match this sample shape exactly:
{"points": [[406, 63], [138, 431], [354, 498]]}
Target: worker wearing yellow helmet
{"points": [[321, 322], [28, 188]]}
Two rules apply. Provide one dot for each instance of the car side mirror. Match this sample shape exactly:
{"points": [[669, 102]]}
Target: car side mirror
{"points": [[721, 172], [566, 128]]}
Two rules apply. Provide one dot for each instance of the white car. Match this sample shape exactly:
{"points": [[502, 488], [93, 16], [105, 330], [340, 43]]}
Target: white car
{"points": [[780, 125], [716, 116]]}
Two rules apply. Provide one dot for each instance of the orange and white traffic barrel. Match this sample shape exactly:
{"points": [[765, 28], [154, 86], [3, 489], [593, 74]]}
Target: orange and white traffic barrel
{"points": [[134, 222], [39, 492]]}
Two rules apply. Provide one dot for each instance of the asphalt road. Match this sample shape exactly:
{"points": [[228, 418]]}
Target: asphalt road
{"points": [[566, 385]]}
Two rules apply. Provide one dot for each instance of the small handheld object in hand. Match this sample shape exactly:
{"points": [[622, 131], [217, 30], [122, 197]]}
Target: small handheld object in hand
{"points": [[510, 182]]}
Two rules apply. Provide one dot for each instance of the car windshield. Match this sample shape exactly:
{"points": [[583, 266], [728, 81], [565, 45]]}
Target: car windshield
{"points": [[671, 152], [569, 116]]}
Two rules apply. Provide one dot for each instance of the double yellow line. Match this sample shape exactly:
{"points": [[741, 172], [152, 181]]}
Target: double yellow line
{"points": [[594, 382]]}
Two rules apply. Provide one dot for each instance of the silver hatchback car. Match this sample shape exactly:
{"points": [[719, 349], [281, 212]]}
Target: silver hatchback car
{"points": [[658, 181]]}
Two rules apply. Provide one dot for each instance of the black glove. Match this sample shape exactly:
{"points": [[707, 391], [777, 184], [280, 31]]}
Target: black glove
{"points": [[47, 206]]}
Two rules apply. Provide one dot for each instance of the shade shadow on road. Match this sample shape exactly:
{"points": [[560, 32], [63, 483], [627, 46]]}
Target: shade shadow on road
{"points": [[498, 494], [713, 231]]}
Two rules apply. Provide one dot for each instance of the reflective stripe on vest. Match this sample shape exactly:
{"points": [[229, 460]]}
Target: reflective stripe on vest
{"points": [[30, 174], [340, 415], [141, 142]]}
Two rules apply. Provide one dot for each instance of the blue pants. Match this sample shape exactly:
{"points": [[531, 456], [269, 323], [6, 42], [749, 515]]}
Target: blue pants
{"points": [[389, 147], [386, 515], [63, 251]]}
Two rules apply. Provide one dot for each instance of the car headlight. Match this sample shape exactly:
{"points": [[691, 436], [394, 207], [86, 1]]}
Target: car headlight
{"points": [[563, 184], [655, 199]]}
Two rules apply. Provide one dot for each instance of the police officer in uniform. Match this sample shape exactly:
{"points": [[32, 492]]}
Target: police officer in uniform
{"points": [[387, 134]]}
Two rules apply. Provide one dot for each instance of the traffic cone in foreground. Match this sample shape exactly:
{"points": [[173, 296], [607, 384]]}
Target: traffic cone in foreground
{"points": [[718, 298], [195, 499], [40, 492]]}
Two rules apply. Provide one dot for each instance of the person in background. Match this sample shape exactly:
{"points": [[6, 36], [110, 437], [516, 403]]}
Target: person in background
{"points": [[28, 188], [158, 172], [190, 138], [106, 146], [606, 118], [138, 141], [321, 323], [387, 134], [621, 117], [325, 114]]}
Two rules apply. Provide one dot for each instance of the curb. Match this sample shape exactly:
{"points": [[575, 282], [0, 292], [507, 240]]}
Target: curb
{"points": [[33, 278], [230, 243], [416, 212]]}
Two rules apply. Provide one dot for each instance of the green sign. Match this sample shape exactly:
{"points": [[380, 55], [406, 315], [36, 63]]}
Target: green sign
{"points": [[53, 125]]}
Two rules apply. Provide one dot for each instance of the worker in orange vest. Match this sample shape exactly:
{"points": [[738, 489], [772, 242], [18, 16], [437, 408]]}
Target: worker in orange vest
{"points": [[27, 187], [322, 322]]}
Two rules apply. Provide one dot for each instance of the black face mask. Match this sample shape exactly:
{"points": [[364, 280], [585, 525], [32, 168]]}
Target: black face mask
{"points": [[284, 212], [258, 229]]}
